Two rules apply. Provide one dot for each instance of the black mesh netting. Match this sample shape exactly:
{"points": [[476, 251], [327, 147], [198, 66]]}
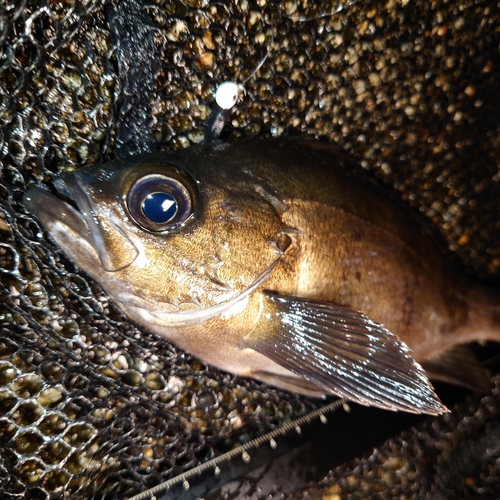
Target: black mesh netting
{"points": [[91, 406], [453, 457]]}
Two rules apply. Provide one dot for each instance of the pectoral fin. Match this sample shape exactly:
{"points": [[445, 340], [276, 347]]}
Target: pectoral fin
{"points": [[343, 352]]}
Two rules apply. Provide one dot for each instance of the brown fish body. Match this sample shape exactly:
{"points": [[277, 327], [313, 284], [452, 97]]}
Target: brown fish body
{"points": [[278, 237]]}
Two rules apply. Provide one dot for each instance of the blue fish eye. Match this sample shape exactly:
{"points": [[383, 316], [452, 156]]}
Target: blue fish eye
{"points": [[159, 207], [159, 203]]}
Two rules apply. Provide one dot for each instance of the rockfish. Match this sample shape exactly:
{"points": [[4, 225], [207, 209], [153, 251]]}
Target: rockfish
{"points": [[269, 260]]}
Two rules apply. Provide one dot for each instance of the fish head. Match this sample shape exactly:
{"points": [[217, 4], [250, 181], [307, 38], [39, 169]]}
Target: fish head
{"points": [[164, 237]]}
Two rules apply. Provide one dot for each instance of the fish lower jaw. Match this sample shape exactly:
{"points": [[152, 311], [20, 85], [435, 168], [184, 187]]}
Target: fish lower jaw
{"points": [[151, 315]]}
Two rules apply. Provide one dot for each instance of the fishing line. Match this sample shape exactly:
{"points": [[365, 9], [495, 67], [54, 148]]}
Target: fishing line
{"points": [[229, 93], [245, 454]]}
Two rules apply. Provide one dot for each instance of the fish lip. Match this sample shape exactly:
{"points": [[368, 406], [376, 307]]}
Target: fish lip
{"points": [[72, 187], [44, 205], [73, 208]]}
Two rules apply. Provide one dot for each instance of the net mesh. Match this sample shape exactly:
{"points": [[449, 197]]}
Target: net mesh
{"points": [[455, 456], [93, 407]]}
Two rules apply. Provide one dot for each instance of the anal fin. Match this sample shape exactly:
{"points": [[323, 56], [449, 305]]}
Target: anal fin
{"points": [[342, 352], [459, 366]]}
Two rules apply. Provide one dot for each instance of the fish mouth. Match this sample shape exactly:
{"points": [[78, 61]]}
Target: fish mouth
{"points": [[53, 212], [77, 227]]}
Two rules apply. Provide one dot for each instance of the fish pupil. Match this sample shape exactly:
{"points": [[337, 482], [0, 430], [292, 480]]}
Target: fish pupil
{"points": [[159, 207]]}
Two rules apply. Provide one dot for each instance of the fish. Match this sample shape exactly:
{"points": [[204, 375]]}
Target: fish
{"points": [[270, 259]]}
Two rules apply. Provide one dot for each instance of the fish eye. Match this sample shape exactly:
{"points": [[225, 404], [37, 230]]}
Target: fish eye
{"points": [[159, 203]]}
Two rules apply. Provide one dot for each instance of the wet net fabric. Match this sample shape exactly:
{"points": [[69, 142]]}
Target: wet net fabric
{"points": [[93, 407], [455, 456]]}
